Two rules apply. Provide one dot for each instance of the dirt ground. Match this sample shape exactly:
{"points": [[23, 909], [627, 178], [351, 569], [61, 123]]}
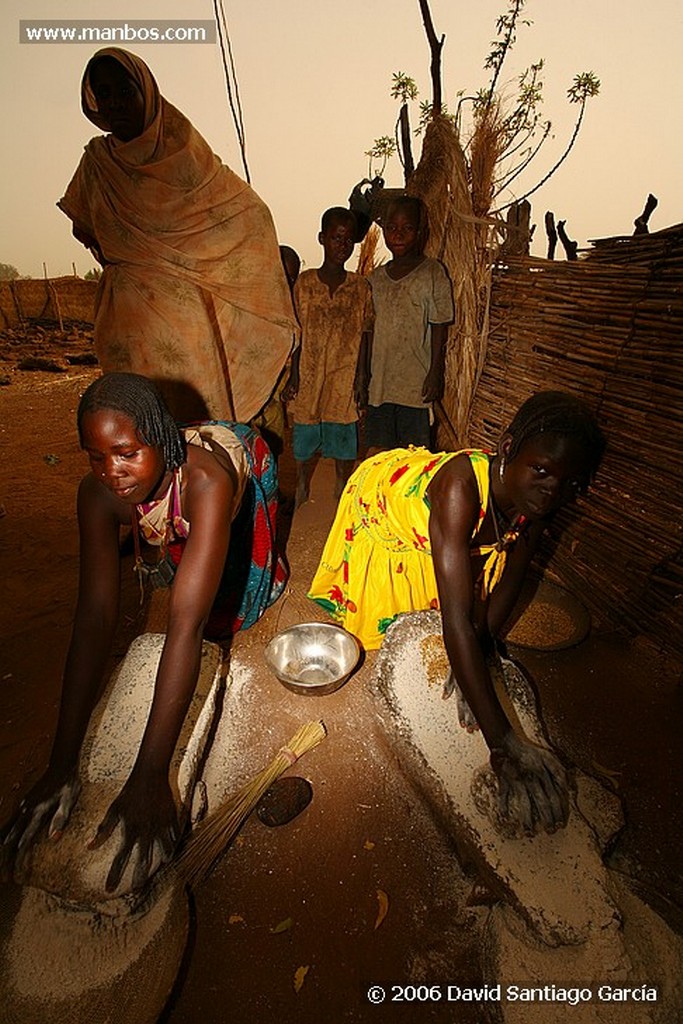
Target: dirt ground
{"points": [[612, 706]]}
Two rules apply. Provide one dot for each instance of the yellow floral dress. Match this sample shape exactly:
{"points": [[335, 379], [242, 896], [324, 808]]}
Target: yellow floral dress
{"points": [[377, 560]]}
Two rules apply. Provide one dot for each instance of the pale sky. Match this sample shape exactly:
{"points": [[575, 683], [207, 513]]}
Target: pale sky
{"points": [[314, 80]]}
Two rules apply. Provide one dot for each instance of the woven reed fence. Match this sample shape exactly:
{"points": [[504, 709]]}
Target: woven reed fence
{"points": [[55, 298], [608, 327]]}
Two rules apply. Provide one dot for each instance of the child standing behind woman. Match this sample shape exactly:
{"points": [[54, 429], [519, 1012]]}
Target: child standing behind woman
{"points": [[328, 383], [413, 302]]}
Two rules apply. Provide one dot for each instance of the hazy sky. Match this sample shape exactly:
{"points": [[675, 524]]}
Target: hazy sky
{"points": [[314, 80]]}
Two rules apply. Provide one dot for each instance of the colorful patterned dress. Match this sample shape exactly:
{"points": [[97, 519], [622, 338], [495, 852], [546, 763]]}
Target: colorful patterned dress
{"points": [[254, 574], [377, 561]]}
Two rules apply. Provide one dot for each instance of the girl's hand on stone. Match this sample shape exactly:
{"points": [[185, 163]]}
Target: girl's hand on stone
{"points": [[50, 803], [532, 784], [146, 811]]}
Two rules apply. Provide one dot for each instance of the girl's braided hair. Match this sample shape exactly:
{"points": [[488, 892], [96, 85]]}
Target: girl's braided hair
{"points": [[140, 400], [561, 414]]}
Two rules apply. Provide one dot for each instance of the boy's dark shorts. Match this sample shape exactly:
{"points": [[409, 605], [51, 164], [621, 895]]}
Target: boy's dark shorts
{"points": [[396, 426], [332, 440]]}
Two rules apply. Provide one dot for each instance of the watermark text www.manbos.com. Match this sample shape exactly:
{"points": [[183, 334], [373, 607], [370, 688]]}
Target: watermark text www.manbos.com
{"points": [[117, 32]]}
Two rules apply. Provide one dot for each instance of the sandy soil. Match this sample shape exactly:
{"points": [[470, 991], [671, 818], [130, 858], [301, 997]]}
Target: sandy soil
{"points": [[613, 707]]}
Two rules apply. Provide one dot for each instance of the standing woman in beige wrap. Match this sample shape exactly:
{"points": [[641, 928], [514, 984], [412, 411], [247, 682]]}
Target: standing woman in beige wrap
{"points": [[193, 294]]}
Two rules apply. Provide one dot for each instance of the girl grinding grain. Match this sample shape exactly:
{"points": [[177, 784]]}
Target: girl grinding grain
{"points": [[206, 496], [457, 531]]}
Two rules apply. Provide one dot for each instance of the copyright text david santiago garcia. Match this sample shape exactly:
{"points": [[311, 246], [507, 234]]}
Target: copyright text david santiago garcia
{"points": [[573, 996]]}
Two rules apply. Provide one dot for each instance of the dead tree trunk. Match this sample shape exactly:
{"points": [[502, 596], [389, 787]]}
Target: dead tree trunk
{"points": [[519, 230], [571, 248], [640, 223], [551, 232]]}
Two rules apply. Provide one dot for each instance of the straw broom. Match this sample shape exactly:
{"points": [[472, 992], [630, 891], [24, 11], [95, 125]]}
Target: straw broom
{"points": [[213, 836]]}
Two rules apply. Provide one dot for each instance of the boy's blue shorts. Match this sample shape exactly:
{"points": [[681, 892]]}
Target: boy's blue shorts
{"points": [[332, 440]]}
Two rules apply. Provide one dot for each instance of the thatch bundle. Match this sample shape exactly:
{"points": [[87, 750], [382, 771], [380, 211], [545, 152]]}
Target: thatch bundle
{"points": [[486, 148], [368, 257], [462, 240]]}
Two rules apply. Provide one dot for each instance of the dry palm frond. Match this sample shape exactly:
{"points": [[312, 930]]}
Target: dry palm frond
{"points": [[212, 836]]}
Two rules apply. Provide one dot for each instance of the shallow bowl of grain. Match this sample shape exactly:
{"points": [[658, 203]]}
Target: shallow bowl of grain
{"points": [[313, 658], [551, 618]]}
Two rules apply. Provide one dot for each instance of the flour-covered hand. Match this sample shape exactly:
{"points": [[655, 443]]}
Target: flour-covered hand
{"points": [[150, 831], [532, 784], [49, 804]]}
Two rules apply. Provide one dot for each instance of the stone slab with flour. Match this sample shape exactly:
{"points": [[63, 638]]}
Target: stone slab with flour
{"points": [[557, 899], [67, 867], [69, 951]]}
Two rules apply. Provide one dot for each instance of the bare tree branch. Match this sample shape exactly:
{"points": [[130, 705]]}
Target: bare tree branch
{"points": [[435, 46], [406, 145], [555, 166], [505, 180]]}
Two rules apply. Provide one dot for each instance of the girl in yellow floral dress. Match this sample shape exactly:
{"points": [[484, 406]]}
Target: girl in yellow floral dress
{"points": [[456, 532]]}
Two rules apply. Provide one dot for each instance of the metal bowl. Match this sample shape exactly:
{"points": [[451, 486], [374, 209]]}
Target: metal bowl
{"points": [[313, 657]]}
